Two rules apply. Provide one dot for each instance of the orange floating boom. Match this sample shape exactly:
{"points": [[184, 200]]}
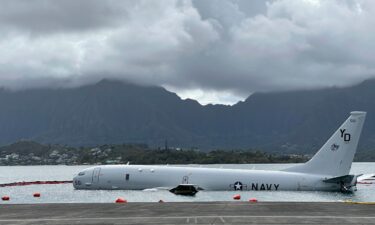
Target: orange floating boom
{"points": [[24, 183]]}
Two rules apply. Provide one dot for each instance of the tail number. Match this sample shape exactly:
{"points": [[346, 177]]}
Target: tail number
{"points": [[345, 135]]}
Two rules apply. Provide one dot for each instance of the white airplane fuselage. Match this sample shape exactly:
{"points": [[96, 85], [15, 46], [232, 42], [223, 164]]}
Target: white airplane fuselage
{"points": [[140, 177]]}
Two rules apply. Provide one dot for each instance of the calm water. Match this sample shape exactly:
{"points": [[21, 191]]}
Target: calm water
{"points": [[65, 193]]}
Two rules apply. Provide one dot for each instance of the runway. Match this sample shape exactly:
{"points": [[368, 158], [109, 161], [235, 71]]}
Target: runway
{"points": [[189, 213]]}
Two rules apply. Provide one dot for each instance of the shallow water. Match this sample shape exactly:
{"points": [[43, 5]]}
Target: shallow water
{"points": [[65, 193]]}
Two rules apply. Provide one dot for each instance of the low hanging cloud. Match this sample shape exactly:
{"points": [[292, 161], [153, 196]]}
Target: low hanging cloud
{"points": [[213, 51]]}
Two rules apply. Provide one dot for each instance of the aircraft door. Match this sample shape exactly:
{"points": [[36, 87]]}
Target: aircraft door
{"points": [[95, 175]]}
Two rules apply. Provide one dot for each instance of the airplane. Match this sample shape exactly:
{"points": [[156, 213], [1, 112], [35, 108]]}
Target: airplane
{"points": [[327, 170]]}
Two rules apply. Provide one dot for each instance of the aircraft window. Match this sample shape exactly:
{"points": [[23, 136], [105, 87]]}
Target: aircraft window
{"points": [[81, 174], [127, 176]]}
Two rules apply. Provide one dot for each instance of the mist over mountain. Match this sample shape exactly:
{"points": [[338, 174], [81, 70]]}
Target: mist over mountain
{"points": [[112, 112]]}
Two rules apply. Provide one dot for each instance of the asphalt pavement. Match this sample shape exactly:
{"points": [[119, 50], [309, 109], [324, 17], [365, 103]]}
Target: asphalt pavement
{"points": [[189, 213]]}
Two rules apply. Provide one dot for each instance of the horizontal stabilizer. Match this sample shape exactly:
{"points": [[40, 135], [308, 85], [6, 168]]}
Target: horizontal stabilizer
{"points": [[345, 179], [347, 183]]}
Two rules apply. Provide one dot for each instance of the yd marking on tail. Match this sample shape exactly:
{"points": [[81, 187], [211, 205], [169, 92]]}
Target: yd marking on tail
{"points": [[344, 135]]}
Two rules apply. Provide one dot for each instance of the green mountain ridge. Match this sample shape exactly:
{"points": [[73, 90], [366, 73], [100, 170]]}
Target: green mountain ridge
{"points": [[114, 112]]}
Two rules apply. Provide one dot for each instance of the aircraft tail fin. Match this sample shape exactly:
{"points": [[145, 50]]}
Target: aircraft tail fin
{"points": [[336, 156]]}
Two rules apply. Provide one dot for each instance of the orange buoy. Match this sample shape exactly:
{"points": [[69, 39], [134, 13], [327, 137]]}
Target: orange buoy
{"points": [[121, 200], [5, 198], [36, 195], [161, 201], [237, 197], [253, 200]]}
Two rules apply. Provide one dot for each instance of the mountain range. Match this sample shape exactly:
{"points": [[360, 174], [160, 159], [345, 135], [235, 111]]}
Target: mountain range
{"points": [[112, 112]]}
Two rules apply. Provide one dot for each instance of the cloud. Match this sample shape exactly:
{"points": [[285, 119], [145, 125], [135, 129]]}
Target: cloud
{"points": [[216, 52], [41, 17], [307, 44]]}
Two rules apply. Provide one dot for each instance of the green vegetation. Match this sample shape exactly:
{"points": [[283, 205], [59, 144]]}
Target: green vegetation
{"points": [[292, 122], [32, 153]]}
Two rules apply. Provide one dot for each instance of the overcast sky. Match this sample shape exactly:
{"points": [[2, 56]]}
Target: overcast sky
{"points": [[212, 51]]}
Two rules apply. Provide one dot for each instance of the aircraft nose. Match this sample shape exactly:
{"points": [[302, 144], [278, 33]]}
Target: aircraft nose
{"points": [[77, 182]]}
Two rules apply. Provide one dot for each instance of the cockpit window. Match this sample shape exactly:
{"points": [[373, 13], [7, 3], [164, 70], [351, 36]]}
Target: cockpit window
{"points": [[81, 174]]}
